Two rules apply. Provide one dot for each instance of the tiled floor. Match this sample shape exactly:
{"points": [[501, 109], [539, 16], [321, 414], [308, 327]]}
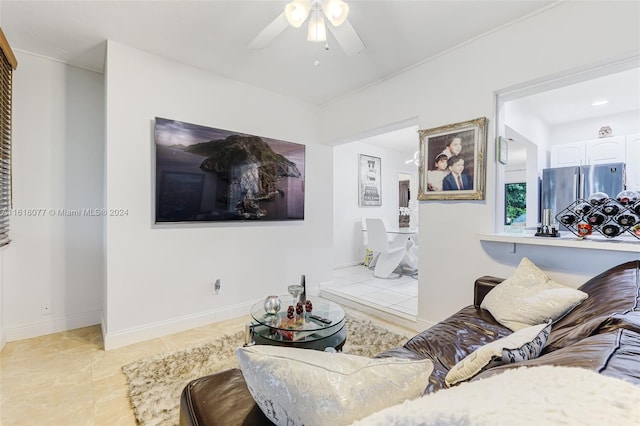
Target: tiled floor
{"points": [[68, 379], [357, 284]]}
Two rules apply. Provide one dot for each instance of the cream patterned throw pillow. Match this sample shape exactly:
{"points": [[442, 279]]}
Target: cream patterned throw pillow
{"points": [[543, 395], [522, 345], [530, 297], [307, 387]]}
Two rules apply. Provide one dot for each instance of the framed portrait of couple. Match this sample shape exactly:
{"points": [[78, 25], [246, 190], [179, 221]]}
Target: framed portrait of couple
{"points": [[453, 161]]}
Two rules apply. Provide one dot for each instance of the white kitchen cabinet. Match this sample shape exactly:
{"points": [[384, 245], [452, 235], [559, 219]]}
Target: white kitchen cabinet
{"points": [[633, 162], [595, 151], [568, 154], [606, 150]]}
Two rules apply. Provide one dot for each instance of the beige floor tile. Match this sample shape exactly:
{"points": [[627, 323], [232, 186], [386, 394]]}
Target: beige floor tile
{"points": [[68, 379], [109, 363], [115, 412], [203, 334], [110, 388]]}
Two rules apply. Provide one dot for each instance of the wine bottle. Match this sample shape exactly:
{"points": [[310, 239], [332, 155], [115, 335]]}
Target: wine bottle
{"points": [[627, 219], [611, 230], [611, 209], [303, 295], [596, 218], [568, 219], [583, 209]]}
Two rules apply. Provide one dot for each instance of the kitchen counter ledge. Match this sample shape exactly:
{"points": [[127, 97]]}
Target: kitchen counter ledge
{"points": [[567, 239]]}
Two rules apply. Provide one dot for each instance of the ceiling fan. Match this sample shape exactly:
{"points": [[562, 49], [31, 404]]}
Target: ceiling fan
{"points": [[415, 159], [296, 13]]}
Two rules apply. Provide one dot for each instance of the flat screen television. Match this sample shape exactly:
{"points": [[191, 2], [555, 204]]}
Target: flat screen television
{"points": [[204, 174]]}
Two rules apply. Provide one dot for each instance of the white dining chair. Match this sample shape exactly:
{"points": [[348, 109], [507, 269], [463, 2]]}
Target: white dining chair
{"points": [[390, 254], [365, 240]]}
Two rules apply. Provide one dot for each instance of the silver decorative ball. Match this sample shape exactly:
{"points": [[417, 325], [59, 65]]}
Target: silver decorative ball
{"points": [[272, 304]]}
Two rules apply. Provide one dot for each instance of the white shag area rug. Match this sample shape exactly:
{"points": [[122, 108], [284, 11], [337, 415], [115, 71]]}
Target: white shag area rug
{"points": [[155, 383], [544, 395]]}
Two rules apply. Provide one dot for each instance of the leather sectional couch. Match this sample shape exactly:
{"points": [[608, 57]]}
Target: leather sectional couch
{"points": [[601, 334]]}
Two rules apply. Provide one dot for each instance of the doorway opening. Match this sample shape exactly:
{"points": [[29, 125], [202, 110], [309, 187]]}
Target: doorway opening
{"points": [[538, 115], [353, 283]]}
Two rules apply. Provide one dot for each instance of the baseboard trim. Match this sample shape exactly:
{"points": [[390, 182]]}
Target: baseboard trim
{"points": [[424, 324], [392, 316], [57, 325], [118, 339], [347, 265]]}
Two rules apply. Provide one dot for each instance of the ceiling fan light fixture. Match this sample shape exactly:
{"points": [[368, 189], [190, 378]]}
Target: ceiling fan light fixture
{"points": [[317, 28], [415, 159], [336, 11], [297, 12]]}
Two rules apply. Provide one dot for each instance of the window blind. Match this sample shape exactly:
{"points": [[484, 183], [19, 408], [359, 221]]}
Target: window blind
{"points": [[7, 64]]}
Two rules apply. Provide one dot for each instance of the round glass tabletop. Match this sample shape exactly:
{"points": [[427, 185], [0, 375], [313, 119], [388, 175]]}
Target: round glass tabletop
{"points": [[325, 319]]}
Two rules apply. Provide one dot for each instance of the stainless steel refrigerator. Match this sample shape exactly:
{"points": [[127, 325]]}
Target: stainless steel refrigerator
{"points": [[562, 186]]}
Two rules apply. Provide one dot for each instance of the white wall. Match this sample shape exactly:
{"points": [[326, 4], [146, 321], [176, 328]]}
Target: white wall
{"points": [[58, 134], [347, 230], [533, 133], [622, 124], [528, 127], [159, 279], [459, 86]]}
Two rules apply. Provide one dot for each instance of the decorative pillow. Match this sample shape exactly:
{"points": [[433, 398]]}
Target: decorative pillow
{"points": [[544, 395], [530, 297], [302, 386], [522, 345]]}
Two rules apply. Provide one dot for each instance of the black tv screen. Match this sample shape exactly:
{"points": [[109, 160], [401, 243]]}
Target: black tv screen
{"points": [[205, 174]]}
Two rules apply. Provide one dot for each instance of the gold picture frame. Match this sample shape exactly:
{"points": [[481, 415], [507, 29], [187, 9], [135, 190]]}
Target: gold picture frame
{"points": [[453, 161]]}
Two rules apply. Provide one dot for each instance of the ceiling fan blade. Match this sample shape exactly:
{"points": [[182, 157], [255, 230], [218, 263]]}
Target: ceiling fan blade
{"points": [[347, 38], [270, 32]]}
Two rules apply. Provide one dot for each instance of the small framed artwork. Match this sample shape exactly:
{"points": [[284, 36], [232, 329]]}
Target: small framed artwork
{"points": [[370, 182], [453, 162], [503, 150]]}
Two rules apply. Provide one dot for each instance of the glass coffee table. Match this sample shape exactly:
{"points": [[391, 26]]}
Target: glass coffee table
{"points": [[302, 331]]}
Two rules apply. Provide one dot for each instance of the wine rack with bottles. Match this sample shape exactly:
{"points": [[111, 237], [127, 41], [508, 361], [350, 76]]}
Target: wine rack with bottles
{"points": [[610, 217]]}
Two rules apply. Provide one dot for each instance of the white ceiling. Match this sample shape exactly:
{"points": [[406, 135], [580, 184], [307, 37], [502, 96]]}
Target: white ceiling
{"points": [[574, 102], [214, 34]]}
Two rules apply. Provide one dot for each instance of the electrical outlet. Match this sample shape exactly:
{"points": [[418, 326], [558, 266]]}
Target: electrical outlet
{"points": [[45, 309], [216, 286]]}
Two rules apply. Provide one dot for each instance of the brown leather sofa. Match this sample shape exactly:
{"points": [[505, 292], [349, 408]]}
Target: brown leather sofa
{"points": [[601, 334]]}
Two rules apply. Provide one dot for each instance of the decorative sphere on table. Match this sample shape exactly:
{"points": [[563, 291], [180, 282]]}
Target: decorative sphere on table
{"points": [[272, 305]]}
